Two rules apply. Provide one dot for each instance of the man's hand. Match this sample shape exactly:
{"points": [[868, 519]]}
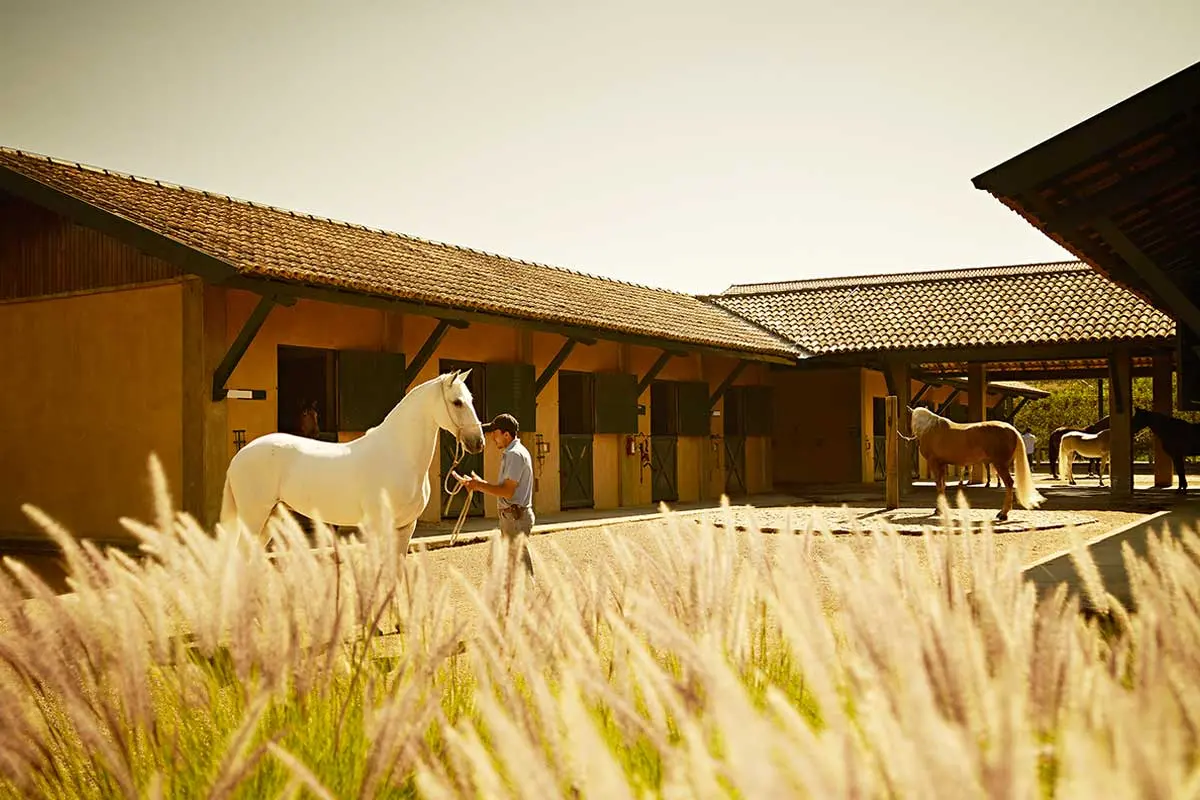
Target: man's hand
{"points": [[474, 483]]}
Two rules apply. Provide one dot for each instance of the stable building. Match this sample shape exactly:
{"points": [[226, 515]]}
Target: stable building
{"points": [[138, 316], [1121, 190], [936, 338]]}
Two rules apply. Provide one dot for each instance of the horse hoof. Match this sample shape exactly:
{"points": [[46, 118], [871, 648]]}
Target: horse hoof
{"points": [[1002, 517]]}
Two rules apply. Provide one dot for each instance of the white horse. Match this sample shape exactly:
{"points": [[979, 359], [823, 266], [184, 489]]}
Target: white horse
{"points": [[1088, 445], [343, 483]]}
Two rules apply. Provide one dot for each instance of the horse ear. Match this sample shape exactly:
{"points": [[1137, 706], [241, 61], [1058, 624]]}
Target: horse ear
{"points": [[454, 376], [463, 377]]}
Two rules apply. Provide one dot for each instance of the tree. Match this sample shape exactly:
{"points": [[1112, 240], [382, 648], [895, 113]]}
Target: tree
{"points": [[1075, 402]]}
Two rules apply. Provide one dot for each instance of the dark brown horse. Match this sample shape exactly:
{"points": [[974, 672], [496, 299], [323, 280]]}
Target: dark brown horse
{"points": [[1056, 435], [1178, 437]]}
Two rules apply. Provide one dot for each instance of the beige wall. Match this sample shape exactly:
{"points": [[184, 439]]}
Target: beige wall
{"points": [[618, 478], [93, 385]]}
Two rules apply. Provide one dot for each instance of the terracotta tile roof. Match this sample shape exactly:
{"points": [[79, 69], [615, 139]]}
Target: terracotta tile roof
{"points": [[264, 241], [1029, 304]]}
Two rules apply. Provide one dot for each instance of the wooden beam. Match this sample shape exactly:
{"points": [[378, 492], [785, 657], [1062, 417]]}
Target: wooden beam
{"points": [[948, 401], [656, 368], [891, 405], [240, 344], [977, 407], [559, 358], [428, 348], [1057, 374], [1013, 414], [725, 384], [1180, 305], [1160, 389], [326, 294], [1082, 142], [1129, 191], [925, 387], [1120, 416], [173, 251], [898, 375]]}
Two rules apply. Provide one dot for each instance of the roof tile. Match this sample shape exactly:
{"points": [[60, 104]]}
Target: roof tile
{"points": [[270, 242], [1028, 304]]}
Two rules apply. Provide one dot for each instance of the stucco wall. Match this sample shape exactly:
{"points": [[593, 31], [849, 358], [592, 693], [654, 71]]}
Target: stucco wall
{"points": [[93, 384]]}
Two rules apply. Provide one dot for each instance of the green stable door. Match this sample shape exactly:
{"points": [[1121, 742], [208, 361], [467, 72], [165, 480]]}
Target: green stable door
{"points": [[748, 412], [449, 445], [496, 388], [677, 408]]}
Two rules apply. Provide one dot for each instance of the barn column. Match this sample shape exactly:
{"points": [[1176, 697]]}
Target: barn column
{"points": [[1161, 402], [1120, 393], [898, 375], [977, 406]]}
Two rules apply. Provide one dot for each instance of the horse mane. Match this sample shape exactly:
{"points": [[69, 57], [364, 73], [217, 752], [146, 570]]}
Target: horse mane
{"points": [[924, 420]]}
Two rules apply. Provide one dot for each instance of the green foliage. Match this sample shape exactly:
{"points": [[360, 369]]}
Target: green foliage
{"points": [[1076, 403]]}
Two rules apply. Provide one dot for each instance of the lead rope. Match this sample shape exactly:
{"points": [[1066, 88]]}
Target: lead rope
{"points": [[459, 451]]}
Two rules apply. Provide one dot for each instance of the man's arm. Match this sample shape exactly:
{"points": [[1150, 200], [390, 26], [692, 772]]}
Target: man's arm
{"points": [[505, 489]]}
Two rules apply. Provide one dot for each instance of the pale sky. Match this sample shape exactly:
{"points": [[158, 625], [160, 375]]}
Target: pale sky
{"points": [[679, 143]]}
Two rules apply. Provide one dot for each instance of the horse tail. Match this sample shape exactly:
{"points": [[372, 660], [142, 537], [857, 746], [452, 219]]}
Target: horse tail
{"points": [[229, 512], [1063, 447], [1027, 493]]}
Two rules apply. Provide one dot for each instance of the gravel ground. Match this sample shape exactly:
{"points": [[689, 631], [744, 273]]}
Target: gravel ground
{"points": [[1055, 531]]}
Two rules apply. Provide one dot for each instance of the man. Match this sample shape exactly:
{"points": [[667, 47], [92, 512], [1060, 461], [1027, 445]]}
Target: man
{"points": [[1030, 441], [513, 487]]}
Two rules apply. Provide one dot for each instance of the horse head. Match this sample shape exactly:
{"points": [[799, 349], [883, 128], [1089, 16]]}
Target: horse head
{"points": [[922, 420], [457, 413]]}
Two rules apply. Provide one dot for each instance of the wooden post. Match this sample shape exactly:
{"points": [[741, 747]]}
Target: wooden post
{"points": [[898, 375], [1120, 398], [891, 406], [977, 407], [1161, 402]]}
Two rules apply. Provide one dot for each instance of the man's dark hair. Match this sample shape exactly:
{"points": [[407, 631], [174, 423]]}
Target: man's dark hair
{"points": [[503, 422]]}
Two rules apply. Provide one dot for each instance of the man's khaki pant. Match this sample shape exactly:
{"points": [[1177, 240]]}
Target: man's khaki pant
{"points": [[515, 530]]}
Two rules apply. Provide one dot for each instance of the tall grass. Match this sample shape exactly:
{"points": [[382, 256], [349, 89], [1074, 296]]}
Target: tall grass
{"points": [[703, 663]]}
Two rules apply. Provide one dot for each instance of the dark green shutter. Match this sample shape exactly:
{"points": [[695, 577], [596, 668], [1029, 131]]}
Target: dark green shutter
{"points": [[693, 408], [509, 389], [369, 384], [760, 413], [616, 402]]}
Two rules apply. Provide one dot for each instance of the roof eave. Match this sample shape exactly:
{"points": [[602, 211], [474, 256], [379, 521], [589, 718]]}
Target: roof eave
{"points": [[1094, 135]]}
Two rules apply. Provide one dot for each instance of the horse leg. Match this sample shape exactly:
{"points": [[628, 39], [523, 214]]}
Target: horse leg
{"points": [[404, 536], [1180, 471], [1005, 477], [939, 478]]}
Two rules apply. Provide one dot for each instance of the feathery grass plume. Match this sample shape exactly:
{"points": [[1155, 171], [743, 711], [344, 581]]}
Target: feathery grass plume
{"points": [[683, 659]]}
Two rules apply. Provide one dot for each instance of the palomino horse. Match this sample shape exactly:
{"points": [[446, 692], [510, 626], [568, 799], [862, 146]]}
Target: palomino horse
{"points": [[343, 483], [1178, 437], [1056, 436], [943, 441], [1088, 445]]}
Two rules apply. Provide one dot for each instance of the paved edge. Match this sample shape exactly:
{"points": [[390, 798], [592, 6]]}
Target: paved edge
{"points": [[1090, 543]]}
